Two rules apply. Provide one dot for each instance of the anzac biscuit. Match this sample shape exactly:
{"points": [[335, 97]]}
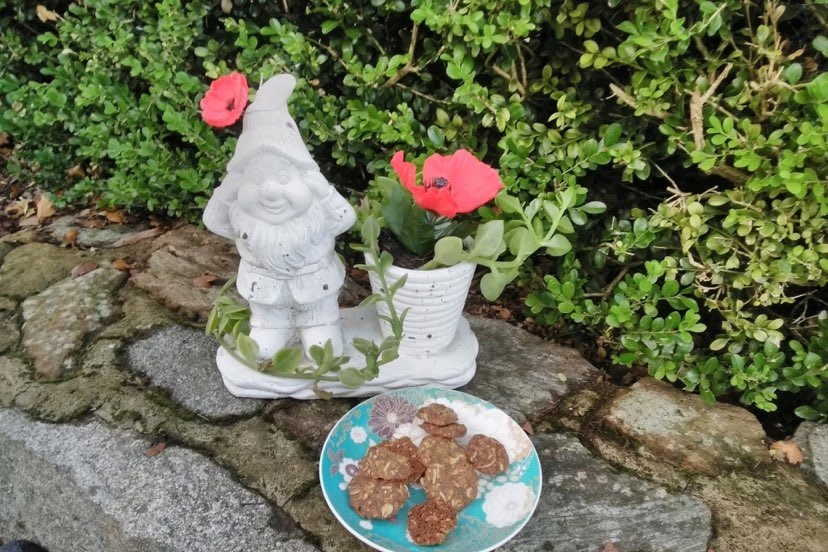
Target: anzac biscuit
{"points": [[451, 431], [406, 447], [434, 449], [372, 498], [430, 523], [454, 481], [383, 463], [487, 455], [437, 414]]}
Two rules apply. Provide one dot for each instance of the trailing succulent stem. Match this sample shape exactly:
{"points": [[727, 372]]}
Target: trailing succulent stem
{"points": [[229, 323]]}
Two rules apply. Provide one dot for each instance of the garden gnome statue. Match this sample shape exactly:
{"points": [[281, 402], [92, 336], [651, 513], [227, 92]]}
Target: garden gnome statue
{"points": [[283, 216]]}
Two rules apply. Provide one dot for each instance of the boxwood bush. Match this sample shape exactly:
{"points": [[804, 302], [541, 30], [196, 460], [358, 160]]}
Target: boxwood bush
{"points": [[702, 124]]}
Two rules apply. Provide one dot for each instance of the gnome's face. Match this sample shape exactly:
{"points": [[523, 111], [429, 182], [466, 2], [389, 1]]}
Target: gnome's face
{"points": [[273, 190]]}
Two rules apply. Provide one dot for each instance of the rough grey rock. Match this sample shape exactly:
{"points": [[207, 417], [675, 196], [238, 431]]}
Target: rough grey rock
{"points": [[96, 238], [33, 267], [585, 503], [670, 425], [180, 256], [4, 250], [57, 320], [9, 334], [812, 438], [183, 361], [92, 488], [523, 374]]}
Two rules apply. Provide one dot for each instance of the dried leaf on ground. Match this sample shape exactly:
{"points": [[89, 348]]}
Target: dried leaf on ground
{"points": [[155, 449], [28, 222], [45, 207], [138, 236], [4, 139], [70, 238], [504, 313], [205, 281], [115, 217], [83, 268], [786, 451], [120, 264], [609, 547], [527, 427], [75, 172], [45, 14]]}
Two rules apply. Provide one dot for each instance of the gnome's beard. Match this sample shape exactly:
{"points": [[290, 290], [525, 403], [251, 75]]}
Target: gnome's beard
{"points": [[284, 248]]}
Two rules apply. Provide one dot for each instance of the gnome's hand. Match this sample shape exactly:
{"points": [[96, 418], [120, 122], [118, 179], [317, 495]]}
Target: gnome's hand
{"points": [[317, 184]]}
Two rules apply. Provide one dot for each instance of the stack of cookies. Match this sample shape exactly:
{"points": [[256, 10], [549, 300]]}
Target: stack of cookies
{"points": [[447, 472]]}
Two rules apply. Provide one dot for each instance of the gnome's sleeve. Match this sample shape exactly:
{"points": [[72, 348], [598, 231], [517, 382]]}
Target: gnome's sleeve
{"points": [[216, 215], [341, 215]]}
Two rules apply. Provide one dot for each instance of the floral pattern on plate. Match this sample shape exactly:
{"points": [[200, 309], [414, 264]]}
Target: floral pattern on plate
{"points": [[504, 502]]}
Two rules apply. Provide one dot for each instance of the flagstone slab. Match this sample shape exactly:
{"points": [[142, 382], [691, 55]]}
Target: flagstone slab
{"points": [[57, 320], [90, 487], [178, 257], [669, 425], [812, 438], [33, 267], [91, 238], [584, 503], [182, 360], [523, 374]]}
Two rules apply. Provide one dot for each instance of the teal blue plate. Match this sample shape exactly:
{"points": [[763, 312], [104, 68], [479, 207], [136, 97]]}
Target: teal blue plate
{"points": [[504, 502]]}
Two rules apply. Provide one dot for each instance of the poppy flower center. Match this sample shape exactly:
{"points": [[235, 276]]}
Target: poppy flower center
{"points": [[439, 182], [231, 105]]}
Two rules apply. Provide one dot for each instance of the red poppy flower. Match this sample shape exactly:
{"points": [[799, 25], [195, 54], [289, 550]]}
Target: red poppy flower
{"points": [[224, 103], [457, 183]]}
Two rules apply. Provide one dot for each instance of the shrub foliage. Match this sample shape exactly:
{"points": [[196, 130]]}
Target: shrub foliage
{"points": [[701, 124]]}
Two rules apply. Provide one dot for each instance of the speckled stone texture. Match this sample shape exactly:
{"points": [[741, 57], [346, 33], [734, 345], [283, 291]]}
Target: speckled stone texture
{"points": [[89, 487], [183, 361], [181, 255], [57, 320], [670, 425], [585, 503], [94, 238], [521, 373], [813, 440]]}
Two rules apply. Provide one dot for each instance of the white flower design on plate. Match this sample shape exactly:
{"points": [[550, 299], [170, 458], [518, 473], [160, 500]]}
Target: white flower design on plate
{"points": [[358, 435], [348, 468], [507, 504]]}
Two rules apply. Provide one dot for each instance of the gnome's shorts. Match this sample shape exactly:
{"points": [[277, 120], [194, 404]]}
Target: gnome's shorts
{"points": [[300, 302]]}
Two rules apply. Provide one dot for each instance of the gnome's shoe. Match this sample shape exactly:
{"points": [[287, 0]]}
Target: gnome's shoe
{"points": [[319, 335], [270, 340]]}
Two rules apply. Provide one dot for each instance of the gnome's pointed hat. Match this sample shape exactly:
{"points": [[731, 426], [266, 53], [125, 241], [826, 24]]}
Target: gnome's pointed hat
{"points": [[268, 126]]}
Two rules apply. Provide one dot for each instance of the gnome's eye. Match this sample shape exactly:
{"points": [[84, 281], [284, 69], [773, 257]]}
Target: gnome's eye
{"points": [[283, 176]]}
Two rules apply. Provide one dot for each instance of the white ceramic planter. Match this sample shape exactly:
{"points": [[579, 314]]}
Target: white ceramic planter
{"points": [[435, 299]]}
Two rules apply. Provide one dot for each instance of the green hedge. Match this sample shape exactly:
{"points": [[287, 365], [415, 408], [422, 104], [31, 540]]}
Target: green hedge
{"points": [[701, 124]]}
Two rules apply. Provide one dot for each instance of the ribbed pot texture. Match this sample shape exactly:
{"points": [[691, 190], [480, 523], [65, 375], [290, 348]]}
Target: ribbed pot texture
{"points": [[435, 299]]}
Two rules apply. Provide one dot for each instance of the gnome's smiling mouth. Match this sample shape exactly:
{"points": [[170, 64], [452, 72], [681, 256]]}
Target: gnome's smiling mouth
{"points": [[275, 207]]}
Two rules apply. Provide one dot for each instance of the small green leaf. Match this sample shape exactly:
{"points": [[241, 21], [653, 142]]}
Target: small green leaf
{"points": [[247, 347], [449, 251], [351, 378], [286, 360], [507, 203], [807, 412], [488, 240], [557, 246]]}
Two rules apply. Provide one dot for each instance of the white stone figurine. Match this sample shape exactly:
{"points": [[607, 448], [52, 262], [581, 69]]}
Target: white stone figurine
{"points": [[283, 216]]}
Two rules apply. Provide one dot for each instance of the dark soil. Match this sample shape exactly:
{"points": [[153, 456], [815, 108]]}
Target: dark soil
{"points": [[403, 258]]}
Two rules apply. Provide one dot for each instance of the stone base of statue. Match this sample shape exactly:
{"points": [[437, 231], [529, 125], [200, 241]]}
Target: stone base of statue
{"points": [[451, 368]]}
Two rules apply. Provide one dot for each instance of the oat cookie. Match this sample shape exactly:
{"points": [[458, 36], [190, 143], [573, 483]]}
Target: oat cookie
{"points": [[487, 455], [434, 449], [450, 431], [383, 463], [430, 523], [454, 481], [373, 498], [437, 414], [406, 447]]}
